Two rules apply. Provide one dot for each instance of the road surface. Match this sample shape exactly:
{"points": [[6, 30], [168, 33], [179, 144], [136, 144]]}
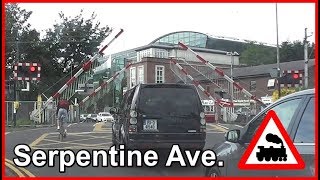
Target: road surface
{"points": [[91, 136]]}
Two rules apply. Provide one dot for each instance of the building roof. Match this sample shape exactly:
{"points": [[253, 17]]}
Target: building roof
{"points": [[262, 70], [267, 68], [157, 39], [168, 46]]}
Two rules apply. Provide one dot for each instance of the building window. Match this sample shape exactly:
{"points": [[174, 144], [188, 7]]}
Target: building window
{"points": [[159, 74], [160, 53], [140, 75], [252, 85], [132, 77]]}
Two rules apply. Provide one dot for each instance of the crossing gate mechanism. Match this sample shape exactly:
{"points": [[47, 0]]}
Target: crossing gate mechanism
{"points": [[98, 92], [69, 89], [222, 74], [216, 76]]}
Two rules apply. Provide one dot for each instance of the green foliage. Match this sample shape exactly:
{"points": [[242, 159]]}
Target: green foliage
{"points": [[284, 92], [18, 34], [258, 55], [71, 41], [288, 51], [74, 39], [292, 51]]}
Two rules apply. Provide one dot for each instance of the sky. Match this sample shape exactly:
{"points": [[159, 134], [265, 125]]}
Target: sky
{"points": [[144, 22]]}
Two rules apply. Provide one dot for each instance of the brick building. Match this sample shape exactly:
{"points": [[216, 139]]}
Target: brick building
{"points": [[257, 80]]}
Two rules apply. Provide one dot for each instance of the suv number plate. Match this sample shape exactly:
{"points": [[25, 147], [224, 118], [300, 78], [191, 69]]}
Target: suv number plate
{"points": [[150, 125]]}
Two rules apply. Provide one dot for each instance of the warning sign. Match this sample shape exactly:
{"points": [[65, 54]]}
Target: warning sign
{"points": [[271, 148]]}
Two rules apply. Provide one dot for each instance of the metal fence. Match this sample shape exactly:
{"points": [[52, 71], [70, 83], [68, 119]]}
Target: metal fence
{"points": [[28, 114]]}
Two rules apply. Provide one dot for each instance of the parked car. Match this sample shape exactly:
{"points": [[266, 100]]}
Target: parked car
{"points": [[158, 116], [104, 117], [83, 117], [92, 117], [296, 113], [243, 110]]}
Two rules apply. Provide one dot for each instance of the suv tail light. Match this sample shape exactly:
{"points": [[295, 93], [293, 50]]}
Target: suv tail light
{"points": [[133, 121], [133, 113], [132, 129], [202, 121], [203, 129], [202, 115]]}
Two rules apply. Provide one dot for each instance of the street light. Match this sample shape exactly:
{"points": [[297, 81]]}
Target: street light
{"points": [[278, 54], [232, 54]]}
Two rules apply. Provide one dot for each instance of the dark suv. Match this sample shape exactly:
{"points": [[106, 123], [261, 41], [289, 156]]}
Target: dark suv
{"points": [[297, 114], [158, 116]]}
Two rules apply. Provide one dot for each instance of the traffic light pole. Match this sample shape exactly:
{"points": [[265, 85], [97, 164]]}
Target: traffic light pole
{"points": [[305, 59], [14, 105], [278, 83]]}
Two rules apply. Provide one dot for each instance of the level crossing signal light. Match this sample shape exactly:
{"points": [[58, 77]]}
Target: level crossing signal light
{"points": [[27, 71], [291, 78]]}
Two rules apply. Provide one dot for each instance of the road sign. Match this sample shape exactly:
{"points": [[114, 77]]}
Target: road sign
{"points": [[225, 103], [271, 148]]}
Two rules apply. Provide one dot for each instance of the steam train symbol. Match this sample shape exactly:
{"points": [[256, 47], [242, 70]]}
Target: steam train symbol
{"points": [[276, 154]]}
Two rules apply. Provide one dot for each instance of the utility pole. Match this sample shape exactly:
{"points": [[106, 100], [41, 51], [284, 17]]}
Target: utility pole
{"points": [[305, 59], [231, 73], [278, 56], [15, 99]]}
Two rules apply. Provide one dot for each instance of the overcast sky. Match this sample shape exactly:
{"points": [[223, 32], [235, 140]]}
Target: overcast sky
{"points": [[143, 23]]}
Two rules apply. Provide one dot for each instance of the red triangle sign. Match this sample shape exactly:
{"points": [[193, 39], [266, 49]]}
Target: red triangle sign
{"points": [[271, 148]]}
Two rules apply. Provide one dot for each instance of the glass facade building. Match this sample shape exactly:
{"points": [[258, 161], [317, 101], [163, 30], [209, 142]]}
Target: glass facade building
{"points": [[167, 41], [193, 39]]}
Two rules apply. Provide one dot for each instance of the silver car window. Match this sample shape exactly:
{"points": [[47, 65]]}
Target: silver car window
{"points": [[306, 128]]}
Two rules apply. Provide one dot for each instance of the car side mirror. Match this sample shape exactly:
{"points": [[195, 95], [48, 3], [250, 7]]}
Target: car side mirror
{"points": [[113, 111], [233, 135]]}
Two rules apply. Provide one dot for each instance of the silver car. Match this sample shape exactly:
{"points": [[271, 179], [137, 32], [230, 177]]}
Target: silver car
{"points": [[297, 114]]}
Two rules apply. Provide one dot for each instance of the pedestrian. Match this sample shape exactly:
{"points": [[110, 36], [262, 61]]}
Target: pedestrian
{"points": [[62, 111]]}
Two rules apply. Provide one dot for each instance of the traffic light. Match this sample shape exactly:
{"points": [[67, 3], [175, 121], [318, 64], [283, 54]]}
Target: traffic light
{"points": [[27, 71], [291, 79]]}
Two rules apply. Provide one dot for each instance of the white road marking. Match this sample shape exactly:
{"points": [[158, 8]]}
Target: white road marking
{"points": [[211, 132], [224, 127], [7, 133], [90, 132]]}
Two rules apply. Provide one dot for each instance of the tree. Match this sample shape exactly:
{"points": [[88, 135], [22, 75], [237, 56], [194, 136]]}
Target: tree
{"points": [[71, 41], [23, 44], [292, 51], [74, 40], [20, 38], [258, 55], [284, 92]]}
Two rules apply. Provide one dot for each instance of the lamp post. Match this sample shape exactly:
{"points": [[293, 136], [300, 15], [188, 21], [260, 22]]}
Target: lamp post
{"points": [[278, 56], [232, 54]]}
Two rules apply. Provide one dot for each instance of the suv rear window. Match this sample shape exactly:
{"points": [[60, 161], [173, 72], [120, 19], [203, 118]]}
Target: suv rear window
{"points": [[169, 101]]}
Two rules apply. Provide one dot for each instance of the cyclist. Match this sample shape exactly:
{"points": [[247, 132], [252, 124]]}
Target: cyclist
{"points": [[62, 114]]}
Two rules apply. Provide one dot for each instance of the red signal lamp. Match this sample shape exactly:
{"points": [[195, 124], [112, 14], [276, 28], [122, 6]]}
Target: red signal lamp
{"points": [[295, 76], [32, 69]]}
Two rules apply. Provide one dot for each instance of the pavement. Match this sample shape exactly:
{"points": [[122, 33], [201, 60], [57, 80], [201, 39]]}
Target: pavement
{"points": [[90, 136]]}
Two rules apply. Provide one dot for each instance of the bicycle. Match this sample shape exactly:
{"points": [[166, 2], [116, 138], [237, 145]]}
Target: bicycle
{"points": [[61, 128]]}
